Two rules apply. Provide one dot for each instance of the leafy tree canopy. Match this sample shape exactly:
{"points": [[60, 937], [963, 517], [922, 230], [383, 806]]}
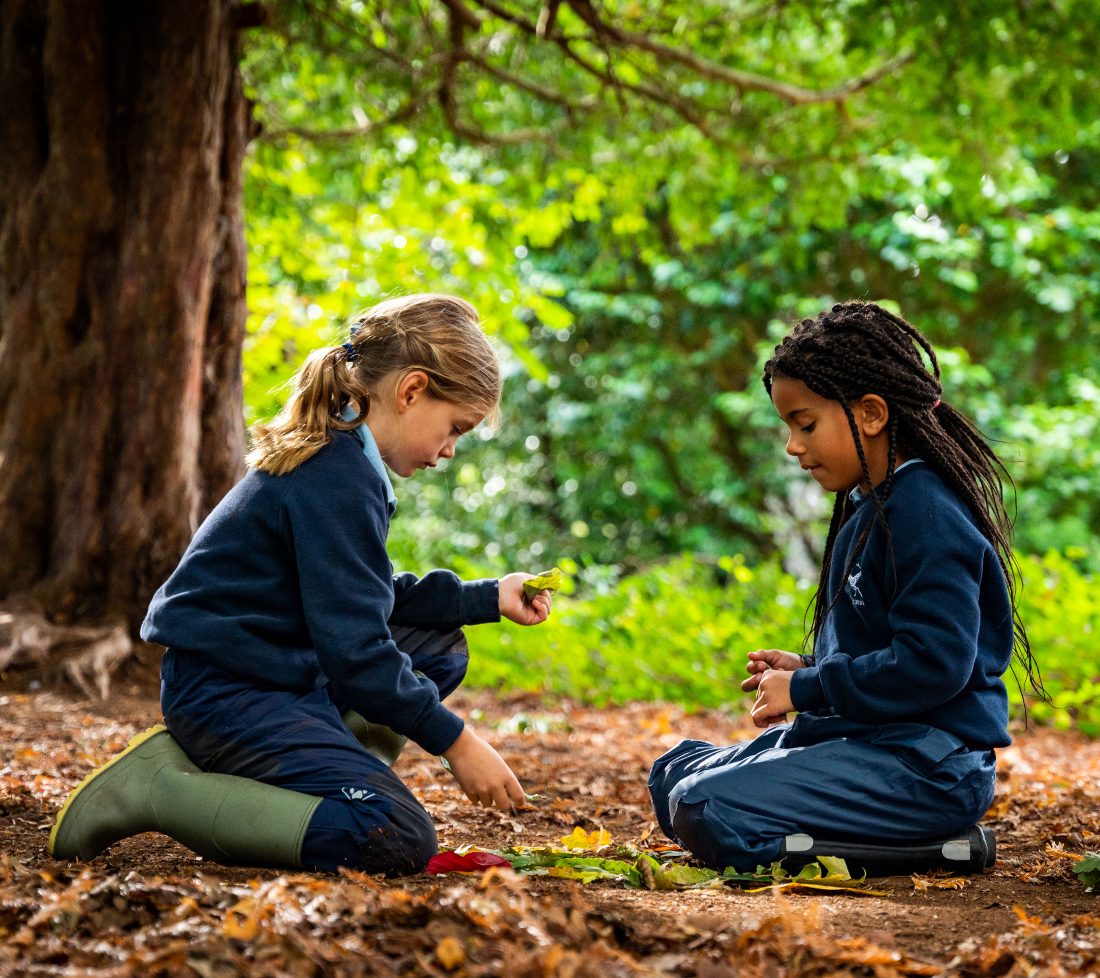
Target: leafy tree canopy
{"points": [[638, 195]]}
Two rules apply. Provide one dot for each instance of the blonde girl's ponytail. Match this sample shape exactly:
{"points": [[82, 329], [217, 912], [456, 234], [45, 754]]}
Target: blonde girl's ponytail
{"points": [[323, 387], [438, 334]]}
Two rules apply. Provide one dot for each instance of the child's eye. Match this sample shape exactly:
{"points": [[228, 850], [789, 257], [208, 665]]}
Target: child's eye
{"points": [[810, 427]]}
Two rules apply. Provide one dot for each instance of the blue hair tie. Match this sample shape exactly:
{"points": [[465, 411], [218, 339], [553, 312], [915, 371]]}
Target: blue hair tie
{"points": [[350, 353]]}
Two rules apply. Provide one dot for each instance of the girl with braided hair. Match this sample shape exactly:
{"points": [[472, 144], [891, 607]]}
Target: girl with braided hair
{"points": [[901, 704], [297, 662]]}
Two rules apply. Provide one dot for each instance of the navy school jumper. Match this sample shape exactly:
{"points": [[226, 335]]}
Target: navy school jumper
{"points": [[281, 616], [898, 715]]}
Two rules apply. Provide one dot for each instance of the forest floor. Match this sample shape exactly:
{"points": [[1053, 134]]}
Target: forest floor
{"points": [[148, 906]]}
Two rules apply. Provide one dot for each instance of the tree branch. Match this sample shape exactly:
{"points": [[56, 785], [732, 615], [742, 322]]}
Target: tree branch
{"points": [[795, 94], [463, 14], [405, 111], [545, 94], [459, 19], [323, 12], [547, 19]]}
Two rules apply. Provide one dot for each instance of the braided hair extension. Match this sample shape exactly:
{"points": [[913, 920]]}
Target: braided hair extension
{"points": [[857, 348]]}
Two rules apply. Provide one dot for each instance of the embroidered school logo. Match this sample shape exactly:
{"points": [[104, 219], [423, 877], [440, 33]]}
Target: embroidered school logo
{"points": [[854, 593], [356, 794]]}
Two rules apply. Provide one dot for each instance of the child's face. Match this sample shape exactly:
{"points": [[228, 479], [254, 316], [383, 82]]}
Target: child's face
{"points": [[421, 430], [820, 436]]}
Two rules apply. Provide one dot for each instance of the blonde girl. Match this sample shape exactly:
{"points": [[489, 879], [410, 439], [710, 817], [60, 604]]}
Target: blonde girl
{"points": [[297, 662]]}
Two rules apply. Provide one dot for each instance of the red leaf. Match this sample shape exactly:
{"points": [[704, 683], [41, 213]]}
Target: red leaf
{"points": [[471, 862]]}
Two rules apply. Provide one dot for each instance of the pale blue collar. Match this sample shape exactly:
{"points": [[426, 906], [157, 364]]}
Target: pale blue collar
{"points": [[370, 450], [855, 495]]}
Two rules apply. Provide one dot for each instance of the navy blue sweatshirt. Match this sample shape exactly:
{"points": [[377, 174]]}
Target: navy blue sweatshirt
{"points": [[924, 637], [288, 582]]}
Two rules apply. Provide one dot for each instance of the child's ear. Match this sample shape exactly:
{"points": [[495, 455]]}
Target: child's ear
{"points": [[875, 414], [410, 388]]}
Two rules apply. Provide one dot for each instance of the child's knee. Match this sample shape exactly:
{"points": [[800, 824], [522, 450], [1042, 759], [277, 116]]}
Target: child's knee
{"points": [[397, 842], [695, 830], [446, 671], [721, 835], [408, 841], [441, 656], [672, 767]]}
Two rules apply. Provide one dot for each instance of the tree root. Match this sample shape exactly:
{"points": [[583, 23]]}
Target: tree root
{"points": [[87, 657]]}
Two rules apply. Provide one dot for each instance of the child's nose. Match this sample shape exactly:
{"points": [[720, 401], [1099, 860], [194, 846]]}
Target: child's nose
{"points": [[448, 450], [794, 447]]}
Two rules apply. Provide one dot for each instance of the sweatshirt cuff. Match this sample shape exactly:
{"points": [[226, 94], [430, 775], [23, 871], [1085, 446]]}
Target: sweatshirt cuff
{"points": [[807, 693], [480, 602], [439, 731]]}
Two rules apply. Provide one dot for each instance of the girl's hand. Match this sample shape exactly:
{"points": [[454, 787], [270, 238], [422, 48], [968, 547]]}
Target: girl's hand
{"points": [[482, 773], [515, 608], [773, 697], [763, 659]]}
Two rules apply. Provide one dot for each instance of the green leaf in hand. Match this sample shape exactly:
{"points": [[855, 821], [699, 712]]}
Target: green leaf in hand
{"points": [[546, 581]]}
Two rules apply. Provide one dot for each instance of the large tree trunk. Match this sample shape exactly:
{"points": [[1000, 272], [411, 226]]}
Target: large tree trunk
{"points": [[121, 303]]}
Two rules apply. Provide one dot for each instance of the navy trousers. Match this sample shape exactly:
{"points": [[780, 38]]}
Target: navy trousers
{"points": [[826, 776], [367, 819]]}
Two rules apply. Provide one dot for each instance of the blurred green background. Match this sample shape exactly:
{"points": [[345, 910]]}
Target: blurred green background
{"points": [[639, 208]]}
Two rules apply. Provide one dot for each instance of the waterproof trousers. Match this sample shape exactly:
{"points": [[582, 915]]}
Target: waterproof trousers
{"points": [[892, 784]]}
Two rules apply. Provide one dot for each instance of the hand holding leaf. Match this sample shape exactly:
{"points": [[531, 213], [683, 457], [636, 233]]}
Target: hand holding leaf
{"points": [[526, 600], [546, 581]]}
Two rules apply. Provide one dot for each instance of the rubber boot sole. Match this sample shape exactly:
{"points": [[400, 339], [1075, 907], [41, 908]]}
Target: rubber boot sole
{"points": [[135, 742]]}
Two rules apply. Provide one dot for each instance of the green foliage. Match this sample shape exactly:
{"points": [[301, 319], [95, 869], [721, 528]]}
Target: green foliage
{"points": [[637, 231], [637, 239], [1054, 451], [1088, 871], [652, 434], [1061, 609], [681, 631]]}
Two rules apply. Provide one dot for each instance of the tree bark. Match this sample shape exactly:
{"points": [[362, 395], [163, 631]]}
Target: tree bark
{"points": [[122, 273]]}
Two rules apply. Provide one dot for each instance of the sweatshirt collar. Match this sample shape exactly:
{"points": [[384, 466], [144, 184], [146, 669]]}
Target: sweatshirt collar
{"points": [[856, 495], [370, 450]]}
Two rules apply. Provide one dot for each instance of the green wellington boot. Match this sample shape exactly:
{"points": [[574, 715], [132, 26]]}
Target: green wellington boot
{"points": [[153, 786], [376, 738]]}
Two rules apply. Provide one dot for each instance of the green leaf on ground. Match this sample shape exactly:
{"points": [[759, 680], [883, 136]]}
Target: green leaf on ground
{"points": [[1088, 870], [828, 873], [641, 869]]}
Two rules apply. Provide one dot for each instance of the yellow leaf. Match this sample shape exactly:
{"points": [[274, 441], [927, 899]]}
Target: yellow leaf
{"points": [[1057, 851], [660, 724], [242, 920], [450, 953], [579, 839]]}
